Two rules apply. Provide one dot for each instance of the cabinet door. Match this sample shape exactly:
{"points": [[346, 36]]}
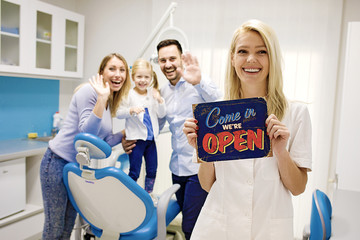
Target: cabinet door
{"points": [[73, 48], [59, 41], [12, 187], [44, 43]]}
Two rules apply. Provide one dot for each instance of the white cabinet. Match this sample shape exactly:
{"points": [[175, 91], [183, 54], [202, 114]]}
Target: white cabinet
{"points": [[41, 39], [25, 193], [12, 187]]}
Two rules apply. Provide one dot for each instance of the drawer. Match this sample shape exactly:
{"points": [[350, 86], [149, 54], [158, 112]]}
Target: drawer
{"points": [[12, 187]]}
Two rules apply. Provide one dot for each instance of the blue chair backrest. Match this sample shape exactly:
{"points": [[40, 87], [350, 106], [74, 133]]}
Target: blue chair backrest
{"points": [[107, 198], [321, 211], [113, 204]]}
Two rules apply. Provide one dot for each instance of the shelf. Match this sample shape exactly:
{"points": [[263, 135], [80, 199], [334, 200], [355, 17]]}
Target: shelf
{"points": [[9, 34], [43, 41], [71, 46], [29, 211]]}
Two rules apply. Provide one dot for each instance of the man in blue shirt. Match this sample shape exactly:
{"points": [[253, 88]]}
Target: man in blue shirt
{"points": [[186, 86]]}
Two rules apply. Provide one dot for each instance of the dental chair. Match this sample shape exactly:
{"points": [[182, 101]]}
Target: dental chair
{"points": [[320, 220], [112, 203]]}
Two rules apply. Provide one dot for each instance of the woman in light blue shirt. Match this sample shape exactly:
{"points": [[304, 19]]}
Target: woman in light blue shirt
{"points": [[91, 110]]}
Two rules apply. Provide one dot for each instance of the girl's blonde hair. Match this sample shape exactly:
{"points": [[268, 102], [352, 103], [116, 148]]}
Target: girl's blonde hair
{"points": [[141, 64], [276, 100], [114, 99]]}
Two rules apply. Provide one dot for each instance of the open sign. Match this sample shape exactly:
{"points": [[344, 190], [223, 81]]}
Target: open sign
{"points": [[230, 130]]}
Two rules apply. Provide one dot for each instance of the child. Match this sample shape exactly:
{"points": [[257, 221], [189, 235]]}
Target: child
{"points": [[141, 110]]}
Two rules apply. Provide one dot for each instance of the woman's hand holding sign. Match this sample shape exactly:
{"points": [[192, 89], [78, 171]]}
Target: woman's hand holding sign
{"points": [[190, 129], [293, 177], [206, 172], [278, 133]]}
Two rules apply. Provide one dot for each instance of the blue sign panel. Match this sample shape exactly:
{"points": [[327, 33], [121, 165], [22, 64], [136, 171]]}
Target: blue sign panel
{"points": [[230, 130]]}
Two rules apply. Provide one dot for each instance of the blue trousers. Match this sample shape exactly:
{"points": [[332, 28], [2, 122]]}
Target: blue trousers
{"points": [[148, 150], [60, 215], [191, 198]]}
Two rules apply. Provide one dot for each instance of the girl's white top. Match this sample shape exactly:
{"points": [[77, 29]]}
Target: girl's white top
{"points": [[134, 127]]}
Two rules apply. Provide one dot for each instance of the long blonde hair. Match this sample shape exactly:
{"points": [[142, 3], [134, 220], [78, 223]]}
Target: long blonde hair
{"points": [[114, 99], [276, 100], [141, 64]]}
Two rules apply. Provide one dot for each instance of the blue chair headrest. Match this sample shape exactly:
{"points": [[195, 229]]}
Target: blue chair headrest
{"points": [[98, 148]]}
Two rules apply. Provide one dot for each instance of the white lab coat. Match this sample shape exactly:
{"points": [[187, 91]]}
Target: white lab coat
{"points": [[248, 200]]}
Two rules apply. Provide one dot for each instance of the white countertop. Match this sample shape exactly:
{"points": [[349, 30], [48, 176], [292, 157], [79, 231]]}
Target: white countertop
{"points": [[23, 147], [16, 148]]}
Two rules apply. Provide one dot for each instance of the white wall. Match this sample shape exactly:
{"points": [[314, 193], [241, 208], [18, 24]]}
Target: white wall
{"points": [[66, 4]]}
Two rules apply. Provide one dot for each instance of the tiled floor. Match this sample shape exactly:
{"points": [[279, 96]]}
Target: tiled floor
{"points": [[174, 230]]}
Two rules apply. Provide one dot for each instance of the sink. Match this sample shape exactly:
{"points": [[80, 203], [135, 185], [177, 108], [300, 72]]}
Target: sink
{"points": [[43, 139]]}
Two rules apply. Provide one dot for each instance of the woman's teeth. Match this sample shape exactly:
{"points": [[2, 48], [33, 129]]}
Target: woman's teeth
{"points": [[252, 70]]}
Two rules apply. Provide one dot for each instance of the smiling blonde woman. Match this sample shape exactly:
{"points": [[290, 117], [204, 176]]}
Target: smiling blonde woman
{"points": [[251, 198]]}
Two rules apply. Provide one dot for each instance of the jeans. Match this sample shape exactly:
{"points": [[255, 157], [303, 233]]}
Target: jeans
{"points": [[60, 215], [191, 198], [148, 150]]}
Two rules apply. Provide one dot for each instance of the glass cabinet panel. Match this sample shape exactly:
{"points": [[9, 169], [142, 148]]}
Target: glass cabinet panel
{"points": [[71, 45], [10, 33], [43, 40]]}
